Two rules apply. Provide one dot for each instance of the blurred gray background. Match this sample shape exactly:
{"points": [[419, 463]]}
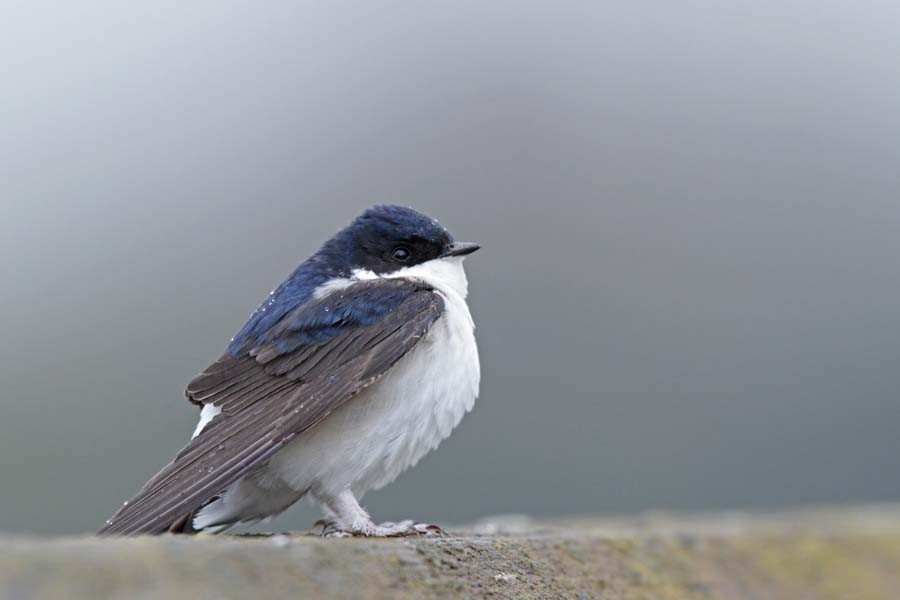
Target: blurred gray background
{"points": [[689, 291]]}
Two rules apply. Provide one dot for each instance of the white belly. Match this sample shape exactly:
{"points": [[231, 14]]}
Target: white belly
{"points": [[387, 428], [384, 430]]}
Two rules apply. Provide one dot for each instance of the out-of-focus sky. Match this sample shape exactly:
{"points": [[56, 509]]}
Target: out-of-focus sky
{"points": [[689, 290]]}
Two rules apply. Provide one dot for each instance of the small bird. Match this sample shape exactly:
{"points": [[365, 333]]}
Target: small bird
{"points": [[361, 362]]}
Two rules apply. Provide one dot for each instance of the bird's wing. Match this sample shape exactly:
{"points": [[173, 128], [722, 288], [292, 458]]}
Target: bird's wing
{"points": [[279, 385]]}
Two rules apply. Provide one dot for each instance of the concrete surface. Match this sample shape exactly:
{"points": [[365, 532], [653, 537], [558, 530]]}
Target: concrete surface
{"points": [[831, 553]]}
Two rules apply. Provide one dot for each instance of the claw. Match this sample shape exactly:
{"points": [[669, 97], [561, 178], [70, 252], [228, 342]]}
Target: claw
{"points": [[429, 530], [337, 534], [332, 529]]}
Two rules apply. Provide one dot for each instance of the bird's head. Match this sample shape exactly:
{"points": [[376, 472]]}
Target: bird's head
{"points": [[387, 238], [383, 240]]}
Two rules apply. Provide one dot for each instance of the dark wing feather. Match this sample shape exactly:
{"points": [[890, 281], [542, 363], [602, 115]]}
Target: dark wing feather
{"points": [[273, 392]]}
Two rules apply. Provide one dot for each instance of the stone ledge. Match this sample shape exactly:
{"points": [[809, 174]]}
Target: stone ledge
{"points": [[849, 553]]}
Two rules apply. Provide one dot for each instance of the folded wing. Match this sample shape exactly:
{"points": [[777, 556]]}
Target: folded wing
{"points": [[278, 385]]}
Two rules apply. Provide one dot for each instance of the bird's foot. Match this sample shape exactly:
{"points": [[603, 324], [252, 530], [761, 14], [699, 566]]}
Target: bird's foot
{"points": [[336, 529]]}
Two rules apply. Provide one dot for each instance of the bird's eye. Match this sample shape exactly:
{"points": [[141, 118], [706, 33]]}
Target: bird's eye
{"points": [[401, 254]]}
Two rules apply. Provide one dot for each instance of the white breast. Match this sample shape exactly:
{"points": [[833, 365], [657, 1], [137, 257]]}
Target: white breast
{"points": [[387, 428]]}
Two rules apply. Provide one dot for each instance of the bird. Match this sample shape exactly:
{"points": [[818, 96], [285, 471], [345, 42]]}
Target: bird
{"points": [[357, 365]]}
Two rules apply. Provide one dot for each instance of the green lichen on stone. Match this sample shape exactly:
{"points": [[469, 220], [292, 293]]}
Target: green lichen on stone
{"points": [[832, 568]]}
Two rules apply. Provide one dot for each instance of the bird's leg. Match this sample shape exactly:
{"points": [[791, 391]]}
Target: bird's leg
{"points": [[348, 518]]}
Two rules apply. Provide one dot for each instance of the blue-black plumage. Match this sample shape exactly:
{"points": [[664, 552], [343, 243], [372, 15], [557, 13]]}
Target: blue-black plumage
{"points": [[367, 243]]}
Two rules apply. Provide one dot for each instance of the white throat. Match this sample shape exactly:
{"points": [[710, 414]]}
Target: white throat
{"points": [[446, 275]]}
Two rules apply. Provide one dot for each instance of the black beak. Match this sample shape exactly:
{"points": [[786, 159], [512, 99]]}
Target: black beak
{"points": [[459, 249]]}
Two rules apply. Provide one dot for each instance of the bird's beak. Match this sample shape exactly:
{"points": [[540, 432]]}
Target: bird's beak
{"points": [[459, 249]]}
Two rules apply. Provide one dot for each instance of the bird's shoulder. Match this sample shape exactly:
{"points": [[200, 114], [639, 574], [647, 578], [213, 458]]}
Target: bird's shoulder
{"points": [[340, 323]]}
